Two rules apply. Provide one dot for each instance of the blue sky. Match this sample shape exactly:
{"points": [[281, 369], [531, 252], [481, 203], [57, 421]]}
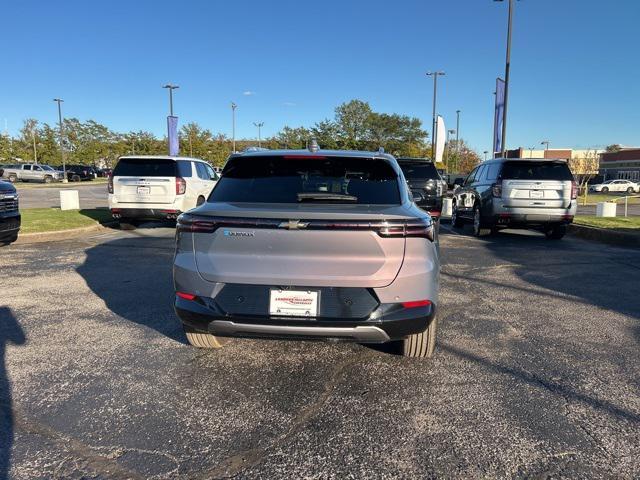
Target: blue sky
{"points": [[575, 69]]}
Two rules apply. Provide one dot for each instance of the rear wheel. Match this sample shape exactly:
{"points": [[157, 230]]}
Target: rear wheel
{"points": [[421, 345], [478, 227], [556, 233], [605, 189], [75, 178], [200, 339], [456, 221], [48, 179], [630, 190]]}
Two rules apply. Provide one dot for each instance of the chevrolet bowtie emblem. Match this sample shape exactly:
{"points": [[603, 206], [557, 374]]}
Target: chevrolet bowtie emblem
{"points": [[293, 225]]}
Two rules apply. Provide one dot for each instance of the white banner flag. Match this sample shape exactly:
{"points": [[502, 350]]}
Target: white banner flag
{"points": [[441, 136]]}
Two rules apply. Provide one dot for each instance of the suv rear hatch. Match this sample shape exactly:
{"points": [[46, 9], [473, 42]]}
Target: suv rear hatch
{"points": [[145, 180], [302, 220], [422, 175], [537, 184]]}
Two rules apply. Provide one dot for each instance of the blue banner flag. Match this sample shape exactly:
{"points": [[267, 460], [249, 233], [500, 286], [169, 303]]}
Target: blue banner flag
{"points": [[172, 135], [499, 117]]}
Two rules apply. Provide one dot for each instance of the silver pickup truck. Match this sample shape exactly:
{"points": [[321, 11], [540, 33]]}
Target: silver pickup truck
{"points": [[32, 172]]}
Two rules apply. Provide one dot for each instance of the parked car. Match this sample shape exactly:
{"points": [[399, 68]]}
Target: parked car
{"points": [[158, 187], [425, 182], [309, 244], [32, 172], [104, 172], [523, 193], [9, 213], [615, 186], [77, 173]]}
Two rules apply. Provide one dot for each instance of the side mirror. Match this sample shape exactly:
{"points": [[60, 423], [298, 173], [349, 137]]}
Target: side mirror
{"points": [[417, 196]]}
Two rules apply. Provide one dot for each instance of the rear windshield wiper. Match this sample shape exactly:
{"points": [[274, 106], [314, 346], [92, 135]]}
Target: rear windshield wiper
{"points": [[326, 196]]}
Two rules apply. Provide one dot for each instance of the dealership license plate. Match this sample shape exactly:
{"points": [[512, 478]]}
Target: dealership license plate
{"points": [[537, 194], [144, 190], [295, 303]]}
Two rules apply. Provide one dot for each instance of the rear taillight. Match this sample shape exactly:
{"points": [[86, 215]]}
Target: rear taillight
{"points": [[110, 184], [496, 189], [574, 190], [181, 186], [421, 228], [187, 223]]}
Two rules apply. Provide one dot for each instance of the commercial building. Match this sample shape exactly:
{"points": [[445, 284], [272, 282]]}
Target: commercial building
{"points": [[623, 164]]}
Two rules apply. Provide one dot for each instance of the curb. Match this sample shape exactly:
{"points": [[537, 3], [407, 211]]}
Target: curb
{"points": [[603, 235], [38, 237]]}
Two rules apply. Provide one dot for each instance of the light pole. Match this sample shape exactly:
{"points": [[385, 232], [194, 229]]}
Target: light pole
{"points": [[64, 166], [485, 155], [435, 75], [33, 137], [259, 125], [507, 69], [233, 125], [545, 143], [171, 88], [531, 152]]}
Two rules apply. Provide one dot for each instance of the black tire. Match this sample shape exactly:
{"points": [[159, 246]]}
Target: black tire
{"points": [[48, 179], [479, 228], [11, 239], [556, 233], [630, 190], [421, 345], [75, 178], [200, 201], [605, 190], [13, 178], [456, 221], [200, 339]]}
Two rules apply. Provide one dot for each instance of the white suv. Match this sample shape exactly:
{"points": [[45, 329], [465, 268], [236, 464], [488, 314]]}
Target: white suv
{"points": [[158, 187]]}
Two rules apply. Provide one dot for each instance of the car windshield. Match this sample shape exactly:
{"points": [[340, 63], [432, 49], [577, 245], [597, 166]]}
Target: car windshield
{"points": [[419, 171], [519, 170], [145, 167], [308, 179], [47, 167]]}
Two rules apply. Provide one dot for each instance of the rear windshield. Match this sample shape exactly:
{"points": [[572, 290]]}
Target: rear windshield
{"points": [[535, 171], [295, 179], [145, 167], [419, 171]]}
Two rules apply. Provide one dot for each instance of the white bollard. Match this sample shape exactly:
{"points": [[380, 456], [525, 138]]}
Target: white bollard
{"points": [[606, 209], [69, 200], [447, 205]]}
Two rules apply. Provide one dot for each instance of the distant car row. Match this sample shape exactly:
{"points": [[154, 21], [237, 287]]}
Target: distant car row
{"points": [[36, 172]]}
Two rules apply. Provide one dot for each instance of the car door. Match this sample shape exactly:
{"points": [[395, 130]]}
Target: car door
{"points": [[37, 172]]}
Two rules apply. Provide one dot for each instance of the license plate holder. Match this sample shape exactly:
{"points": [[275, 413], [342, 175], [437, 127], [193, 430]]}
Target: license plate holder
{"points": [[293, 303], [144, 190], [536, 194]]}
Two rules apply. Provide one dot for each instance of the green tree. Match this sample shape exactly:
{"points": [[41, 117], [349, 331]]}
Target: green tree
{"points": [[353, 122]]}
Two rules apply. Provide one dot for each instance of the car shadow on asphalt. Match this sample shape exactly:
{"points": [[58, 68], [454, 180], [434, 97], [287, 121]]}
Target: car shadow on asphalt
{"points": [[133, 276], [10, 332]]}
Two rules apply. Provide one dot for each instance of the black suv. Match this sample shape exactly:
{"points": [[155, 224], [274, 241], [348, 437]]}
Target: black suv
{"points": [[423, 179], [9, 213], [76, 173]]}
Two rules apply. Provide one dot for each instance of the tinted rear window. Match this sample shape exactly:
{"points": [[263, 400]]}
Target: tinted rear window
{"points": [[419, 171], [277, 179], [535, 171], [145, 167]]}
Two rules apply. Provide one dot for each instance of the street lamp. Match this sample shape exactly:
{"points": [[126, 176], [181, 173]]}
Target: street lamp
{"points": [[457, 138], [64, 166], [435, 76], [507, 69], [485, 155], [171, 88], [546, 143], [233, 125], [259, 125]]}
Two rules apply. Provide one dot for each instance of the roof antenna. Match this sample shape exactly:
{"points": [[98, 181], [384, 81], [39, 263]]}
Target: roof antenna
{"points": [[313, 146]]}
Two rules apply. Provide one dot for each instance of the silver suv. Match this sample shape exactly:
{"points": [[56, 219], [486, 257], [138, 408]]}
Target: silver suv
{"points": [[517, 193], [308, 244]]}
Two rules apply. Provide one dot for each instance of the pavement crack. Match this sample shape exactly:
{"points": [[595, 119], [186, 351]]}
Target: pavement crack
{"points": [[235, 464]]}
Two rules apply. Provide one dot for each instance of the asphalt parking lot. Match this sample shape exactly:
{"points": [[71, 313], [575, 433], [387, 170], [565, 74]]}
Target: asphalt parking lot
{"points": [[91, 195], [537, 373]]}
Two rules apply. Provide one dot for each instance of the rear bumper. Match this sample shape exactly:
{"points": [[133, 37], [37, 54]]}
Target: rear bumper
{"points": [[166, 213], [387, 322], [532, 216]]}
